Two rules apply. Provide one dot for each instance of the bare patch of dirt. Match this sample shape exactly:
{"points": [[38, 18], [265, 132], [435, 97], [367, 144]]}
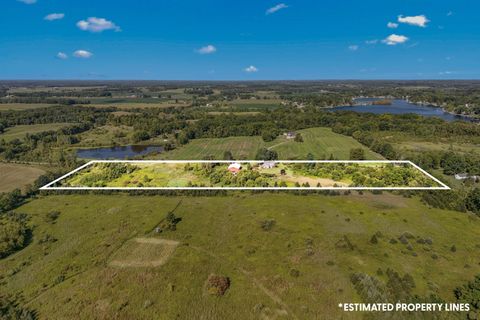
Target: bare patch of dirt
{"points": [[144, 252]]}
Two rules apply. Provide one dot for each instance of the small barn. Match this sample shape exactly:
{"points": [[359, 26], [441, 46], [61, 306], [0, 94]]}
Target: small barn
{"points": [[290, 134], [235, 167]]}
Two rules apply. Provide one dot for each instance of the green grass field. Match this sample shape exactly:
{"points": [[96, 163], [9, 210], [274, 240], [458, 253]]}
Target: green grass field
{"points": [[101, 266], [321, 142], [18, 132], [17, 176]]}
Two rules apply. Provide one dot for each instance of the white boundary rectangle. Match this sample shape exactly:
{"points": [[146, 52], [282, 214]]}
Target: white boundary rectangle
{"points": [[442, 186]]}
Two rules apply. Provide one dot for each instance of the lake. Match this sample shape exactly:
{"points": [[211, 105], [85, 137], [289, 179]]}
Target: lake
{"points": [[400, 107], [121, 152]]}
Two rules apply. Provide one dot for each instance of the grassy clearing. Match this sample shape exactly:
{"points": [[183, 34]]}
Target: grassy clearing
{"points": [[321, 142], [19, 132], [17, 176], [72, 277], [407, 142], [106, 136]]}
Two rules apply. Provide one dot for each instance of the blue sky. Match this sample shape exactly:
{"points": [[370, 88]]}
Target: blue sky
{"points": [[239, 40]]}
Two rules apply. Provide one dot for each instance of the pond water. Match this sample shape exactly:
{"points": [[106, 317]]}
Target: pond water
{"points": [[121, 152], [400, 107]]}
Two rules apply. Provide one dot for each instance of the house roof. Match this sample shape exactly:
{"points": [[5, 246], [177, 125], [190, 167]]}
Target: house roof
{"points": [[234, 165]]}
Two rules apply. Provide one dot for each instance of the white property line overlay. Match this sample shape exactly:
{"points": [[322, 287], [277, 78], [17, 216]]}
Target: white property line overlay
{"points": [[443, 186]]}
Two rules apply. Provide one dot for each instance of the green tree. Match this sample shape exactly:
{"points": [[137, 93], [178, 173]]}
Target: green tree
{"points": [[357, 154], [298, 138], [227, 155], [473, 200]]}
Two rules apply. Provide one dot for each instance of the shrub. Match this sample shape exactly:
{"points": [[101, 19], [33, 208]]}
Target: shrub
{"points": [[294, 273], [52, 216], [11, 309], [267, 225], [357, 154], [217, 285]]}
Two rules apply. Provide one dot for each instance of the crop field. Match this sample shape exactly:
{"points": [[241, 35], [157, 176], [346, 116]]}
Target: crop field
{"points": [[320, 142], [23, 106], [17, 176], [125, 105], [276, 249], [19, 132], [240, 147]]}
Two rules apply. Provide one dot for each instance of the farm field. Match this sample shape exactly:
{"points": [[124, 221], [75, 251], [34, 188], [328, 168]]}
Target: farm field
{"points": [[17, 176], [19, 132], [125, 105], [23, 106], [197, 149], [275, 248], [321, 142]]}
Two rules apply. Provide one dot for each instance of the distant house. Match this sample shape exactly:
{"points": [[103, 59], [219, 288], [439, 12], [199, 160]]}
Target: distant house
{"points": [[465, 176], [268, 165], [235, 167], [290, 134]]}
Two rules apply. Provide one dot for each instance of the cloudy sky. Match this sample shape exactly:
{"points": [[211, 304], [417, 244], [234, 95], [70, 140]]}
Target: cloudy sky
{"points": [[249, 39]]}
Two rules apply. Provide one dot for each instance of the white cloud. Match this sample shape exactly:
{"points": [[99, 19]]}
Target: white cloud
{"points": [[353, 47], [251, 69], [28, 1], [94, 24], [276, 8], [373, 41], [394, 39], [82, 54], [207, 49], [54, 16], [449, 13], [392, 25], [62, 55], [419, 21]]}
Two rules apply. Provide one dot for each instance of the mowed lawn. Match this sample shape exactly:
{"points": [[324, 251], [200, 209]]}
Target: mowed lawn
{"points": [[321, 142], [18, 132], [89, 271], [14, 176]]}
